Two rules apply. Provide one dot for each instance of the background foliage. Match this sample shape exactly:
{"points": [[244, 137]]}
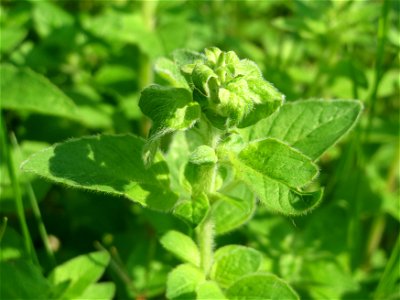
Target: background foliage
{"points": [[98, 55]]}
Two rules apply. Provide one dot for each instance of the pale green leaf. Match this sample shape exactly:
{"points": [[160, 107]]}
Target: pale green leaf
{"points": [[182, 282], [106, 163], [209, 290], [181, 246], [311, 126], [79, 273], [232, 262], [276, 173], [98, 291], [37, 95], [259, 286]]}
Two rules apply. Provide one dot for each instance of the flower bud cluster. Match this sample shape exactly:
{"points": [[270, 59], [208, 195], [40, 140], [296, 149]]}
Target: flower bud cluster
{"points": [[228, 88]]}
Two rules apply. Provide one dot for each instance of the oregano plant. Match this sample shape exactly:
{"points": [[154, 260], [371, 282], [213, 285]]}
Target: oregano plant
{"points": [[229, 142]]}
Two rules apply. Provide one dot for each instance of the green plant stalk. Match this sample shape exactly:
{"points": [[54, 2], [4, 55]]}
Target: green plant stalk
{"points": [[17, 194], [205, 231], [145, 64], [378, 74], [3, 228], [36, 212], [387, 285]]}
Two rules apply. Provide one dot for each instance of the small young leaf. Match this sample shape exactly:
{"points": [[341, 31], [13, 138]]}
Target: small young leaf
{"points": [[80, 272], [229, 212], [209, 290], [311, 126], [37, 95], [194, 210], [232, 262], [169, 108], [170, 72], [182, 246], [106, 163], [259, 286], [183, 281]]}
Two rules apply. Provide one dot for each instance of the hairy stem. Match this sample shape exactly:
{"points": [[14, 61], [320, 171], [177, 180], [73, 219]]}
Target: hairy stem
{"points": [[205, 240]]}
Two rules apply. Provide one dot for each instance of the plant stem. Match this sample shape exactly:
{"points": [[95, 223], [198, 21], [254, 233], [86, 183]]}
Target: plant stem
{"points": [[17, 194], [205, 240], [36, 212], [3, 228], [145, 69]]}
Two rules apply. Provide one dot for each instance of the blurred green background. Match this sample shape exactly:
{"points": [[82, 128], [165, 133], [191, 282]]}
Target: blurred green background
{"points": [[101, 53]]}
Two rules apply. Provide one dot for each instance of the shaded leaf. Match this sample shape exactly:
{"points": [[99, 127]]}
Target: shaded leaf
{"points": [[106, 163], [22, 280]]}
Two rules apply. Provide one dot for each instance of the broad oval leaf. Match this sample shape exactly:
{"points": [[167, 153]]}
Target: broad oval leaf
{"points": [[259, 286], [183, 281], [109, 164], [276, 173], [232, 262], [279, 162], [170, 72], [37, 95], [311, 126], [181, 246]]}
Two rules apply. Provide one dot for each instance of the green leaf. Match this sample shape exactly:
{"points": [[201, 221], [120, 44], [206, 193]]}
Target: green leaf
{"points": [[209, 290], [275, 172], [170, 72], [99, 291], [182, 282], [232, 262], [232, 209], [79, 273], [182, 246], [37, 95], [279, 162], [22, 280], [169, 108], [109, 164], [311, 126], [193, 210], [259, 286]]}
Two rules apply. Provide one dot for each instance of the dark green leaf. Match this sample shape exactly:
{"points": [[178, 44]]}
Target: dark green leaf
{"points": [[106, 163]]}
